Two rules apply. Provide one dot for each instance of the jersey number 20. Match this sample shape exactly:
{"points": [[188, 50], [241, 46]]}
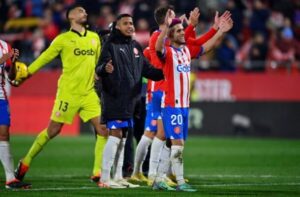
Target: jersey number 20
{"points": [[176, 119]]}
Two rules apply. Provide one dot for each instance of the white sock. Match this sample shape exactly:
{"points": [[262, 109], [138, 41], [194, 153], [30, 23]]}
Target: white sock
{"points": [[141, 153], [177, 163], [109, 154], [7, 160], [170, 170], [164, 162], [120, 160], [156, 149]]}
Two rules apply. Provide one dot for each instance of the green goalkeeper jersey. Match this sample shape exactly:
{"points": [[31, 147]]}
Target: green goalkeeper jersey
{"points": [[79, 53]]}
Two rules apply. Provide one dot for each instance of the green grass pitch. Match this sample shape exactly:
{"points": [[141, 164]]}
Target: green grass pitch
{"points": [[215, 166]]}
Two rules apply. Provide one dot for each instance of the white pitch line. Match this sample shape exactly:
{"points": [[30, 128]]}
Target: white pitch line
{"points": [[76, 188], [247, 184], [190, 175], [197, 185], [60, 188], [240, 176]]}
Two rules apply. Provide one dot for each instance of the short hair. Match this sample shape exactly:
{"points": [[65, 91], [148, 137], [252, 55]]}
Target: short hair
{"points": [[70, 8], [160, 13], [122, 16]]}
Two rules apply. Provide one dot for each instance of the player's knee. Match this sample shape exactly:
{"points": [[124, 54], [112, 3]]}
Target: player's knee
{"points": [[102, 130], [161, 136], [116, 133], [149, 134], [4, 134], [4, 137], [54, 129]]}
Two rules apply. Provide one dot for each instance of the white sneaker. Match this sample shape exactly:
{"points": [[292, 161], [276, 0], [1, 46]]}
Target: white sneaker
{"points": [[116, 185], [125, 183], [150, 180]]}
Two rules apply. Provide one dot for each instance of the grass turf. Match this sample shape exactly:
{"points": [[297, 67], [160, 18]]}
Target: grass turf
{"points": [[215, 166]]}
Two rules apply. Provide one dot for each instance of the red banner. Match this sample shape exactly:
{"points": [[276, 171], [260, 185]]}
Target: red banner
{"points": [[211, 86], [31, 105]]}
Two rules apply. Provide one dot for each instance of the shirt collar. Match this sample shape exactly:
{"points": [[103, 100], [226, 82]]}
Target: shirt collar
{"points": [[78, 33]]}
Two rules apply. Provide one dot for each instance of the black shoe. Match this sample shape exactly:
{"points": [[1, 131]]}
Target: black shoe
{"points": [[21, 171], [16, 184], [95, 178]]}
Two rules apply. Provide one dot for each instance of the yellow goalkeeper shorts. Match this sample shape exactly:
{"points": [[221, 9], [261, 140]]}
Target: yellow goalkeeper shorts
{"points": [[66, 106]]}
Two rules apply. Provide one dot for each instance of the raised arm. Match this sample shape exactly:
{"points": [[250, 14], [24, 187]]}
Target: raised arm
{"points": [[48, 55], [159, 46], [213, 30], [225, 25], [192, 23]]}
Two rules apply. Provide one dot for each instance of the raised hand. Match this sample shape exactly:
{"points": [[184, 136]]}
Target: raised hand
{"points": [[218, 19], [226, 24], [194, 16], [15, 55], [184, 19], [109, 68], [169, 17]]}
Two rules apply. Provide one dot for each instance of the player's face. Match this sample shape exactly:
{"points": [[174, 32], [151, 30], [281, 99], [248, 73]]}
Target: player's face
{"points": [[125, 25], [80, 15], [178, 36]]}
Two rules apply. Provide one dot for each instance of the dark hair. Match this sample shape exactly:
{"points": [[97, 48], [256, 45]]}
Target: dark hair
{"points": [[70, 8], [122, 16], [160, 13]]}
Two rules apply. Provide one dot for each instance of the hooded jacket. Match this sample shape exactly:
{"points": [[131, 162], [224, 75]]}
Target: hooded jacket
{"points": [[122, 88]]}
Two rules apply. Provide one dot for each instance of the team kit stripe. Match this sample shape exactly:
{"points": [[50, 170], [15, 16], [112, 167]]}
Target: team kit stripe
{"points": [[179, 77], [187, 77], [176, 80]]}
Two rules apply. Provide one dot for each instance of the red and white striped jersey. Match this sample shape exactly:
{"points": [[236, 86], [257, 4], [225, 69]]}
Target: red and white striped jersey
{"points": [[177, 67], [4, 48], [155, 60]]}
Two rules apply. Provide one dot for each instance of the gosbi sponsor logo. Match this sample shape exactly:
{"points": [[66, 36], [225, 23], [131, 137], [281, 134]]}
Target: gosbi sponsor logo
{"points": [[183, 68], [177, 130], [78, 51]]}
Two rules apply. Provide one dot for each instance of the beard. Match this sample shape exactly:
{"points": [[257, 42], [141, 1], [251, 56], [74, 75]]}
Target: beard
{"points": [[179, 42], [84, 23]]}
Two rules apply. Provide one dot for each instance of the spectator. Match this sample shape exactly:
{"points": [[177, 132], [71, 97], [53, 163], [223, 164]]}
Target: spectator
{"points": [[253, 53], [225, 55], [142, 32], [259, 17], [284, 47]]}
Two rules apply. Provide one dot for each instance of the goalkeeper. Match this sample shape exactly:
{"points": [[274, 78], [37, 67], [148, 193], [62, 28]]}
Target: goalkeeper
{"points": [[79, 50]]}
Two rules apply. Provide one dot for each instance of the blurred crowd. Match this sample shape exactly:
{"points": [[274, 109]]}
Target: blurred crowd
{"points": [[266, 33]]}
